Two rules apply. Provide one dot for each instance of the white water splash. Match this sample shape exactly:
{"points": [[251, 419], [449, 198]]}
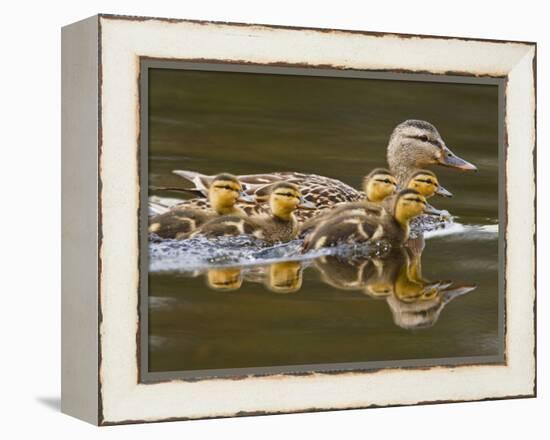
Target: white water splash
{"points": [[468, 232], [200, 253]]}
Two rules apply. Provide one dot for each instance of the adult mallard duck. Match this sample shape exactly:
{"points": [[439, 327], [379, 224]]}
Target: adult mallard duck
{"points": [[280, 225], [413, 145], [223, 195], [369, 222]]}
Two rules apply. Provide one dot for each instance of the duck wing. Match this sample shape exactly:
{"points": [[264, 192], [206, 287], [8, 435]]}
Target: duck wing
{"points": [[324, 191], [201, 181]]}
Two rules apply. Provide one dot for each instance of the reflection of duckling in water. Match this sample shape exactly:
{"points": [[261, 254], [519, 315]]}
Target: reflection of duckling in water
{"points": [[374, 276], [284, 277], [223, 194], [369, 222], [279, 226], [280, 277], [421, 309], [346, 273], [416, 302], [224, 278]]}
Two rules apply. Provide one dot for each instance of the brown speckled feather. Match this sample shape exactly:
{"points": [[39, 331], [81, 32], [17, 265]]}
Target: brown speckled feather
{"points": [[324, 192]]}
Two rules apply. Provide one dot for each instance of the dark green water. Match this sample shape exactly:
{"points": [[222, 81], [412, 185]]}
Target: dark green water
{"points": [[246, 123]]}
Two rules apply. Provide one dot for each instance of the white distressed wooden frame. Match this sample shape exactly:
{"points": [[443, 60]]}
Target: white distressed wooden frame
{"points": [[101, 197]]}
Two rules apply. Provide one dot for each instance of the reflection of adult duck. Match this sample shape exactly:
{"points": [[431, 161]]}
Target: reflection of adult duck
{"points": [[413, 145]]}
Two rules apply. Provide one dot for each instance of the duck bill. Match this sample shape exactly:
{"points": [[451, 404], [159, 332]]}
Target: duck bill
{"points": [[304, 204], [443, 192], [449, 159], [430, 210], [244, 197], [456, 291]]}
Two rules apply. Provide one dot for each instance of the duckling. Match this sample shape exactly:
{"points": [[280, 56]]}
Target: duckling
{"points": [[423, 181], [378, 185], [279, 226], [223, 194], [413, 145], [427, 184], [369, 222]]}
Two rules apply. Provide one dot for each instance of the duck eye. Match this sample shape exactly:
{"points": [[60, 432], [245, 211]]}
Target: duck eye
{"points": [[286, 194], [423, 138]]}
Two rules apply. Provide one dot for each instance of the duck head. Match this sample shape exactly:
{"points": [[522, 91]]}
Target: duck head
{"points": [[285, 198], [408, 205], [426, 183], [224, 192], [379, 184], [417, 144]]}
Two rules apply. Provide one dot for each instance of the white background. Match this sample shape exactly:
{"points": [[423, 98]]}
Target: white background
{"points": [[30, 219]]}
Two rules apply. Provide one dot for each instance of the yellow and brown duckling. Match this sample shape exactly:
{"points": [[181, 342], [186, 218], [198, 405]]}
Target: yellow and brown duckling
{"points": [[423, 181], [378, 185], [427, 184], [279, 225], [369, 222], [223, 194]]}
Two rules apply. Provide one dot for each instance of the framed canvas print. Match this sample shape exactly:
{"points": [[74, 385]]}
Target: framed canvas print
{"points": [[263, 220]]}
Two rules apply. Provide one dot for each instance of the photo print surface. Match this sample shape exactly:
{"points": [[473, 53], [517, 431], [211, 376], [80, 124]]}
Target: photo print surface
{"points": [[306, 222]]}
